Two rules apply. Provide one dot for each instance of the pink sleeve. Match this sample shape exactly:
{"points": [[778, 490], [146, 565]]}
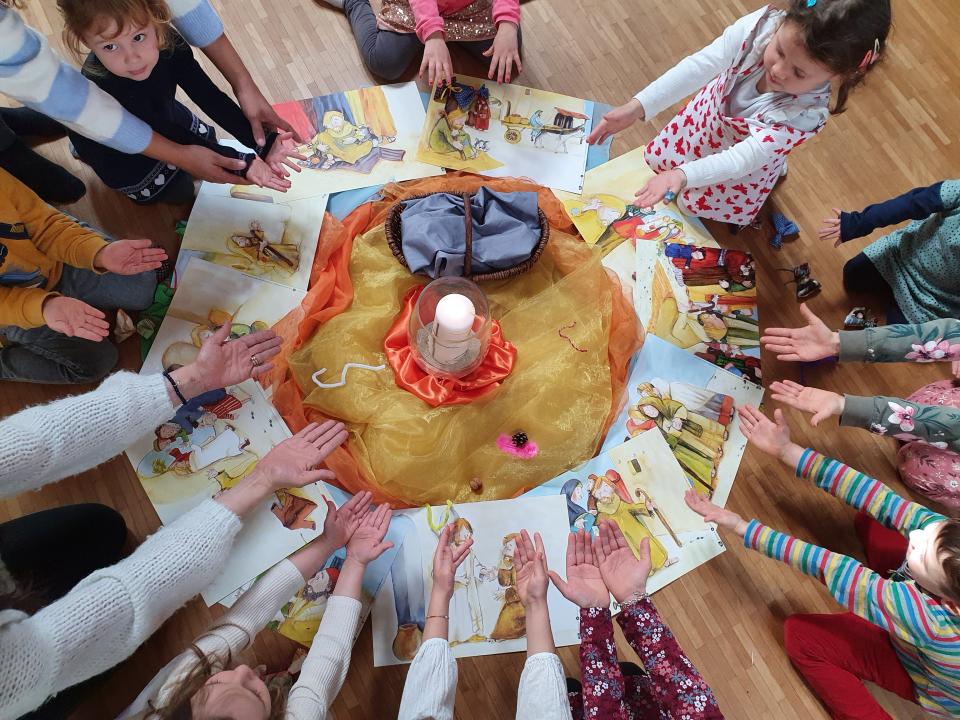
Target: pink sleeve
{"points": [[427, 15], [506, 11]]}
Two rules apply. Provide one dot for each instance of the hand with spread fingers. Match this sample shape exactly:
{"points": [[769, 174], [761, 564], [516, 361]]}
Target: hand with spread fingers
{"points": [[809, 343], [129, 257], [830, 230], [293, 462]]}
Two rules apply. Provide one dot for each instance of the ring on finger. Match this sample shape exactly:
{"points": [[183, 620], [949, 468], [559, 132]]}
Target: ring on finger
{"points": [[669, 196], [255, 360]]}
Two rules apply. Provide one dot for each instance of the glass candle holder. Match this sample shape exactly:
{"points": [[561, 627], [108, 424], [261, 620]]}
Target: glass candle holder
{"points": [[449, 328]]}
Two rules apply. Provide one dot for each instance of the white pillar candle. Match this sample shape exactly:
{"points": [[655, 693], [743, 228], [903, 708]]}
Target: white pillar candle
{"points": [[453, 326]]}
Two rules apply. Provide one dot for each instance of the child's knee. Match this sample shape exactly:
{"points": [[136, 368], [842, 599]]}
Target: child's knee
{"points": [[387, 68], [143, 287], [92, 364], [797, 634]]}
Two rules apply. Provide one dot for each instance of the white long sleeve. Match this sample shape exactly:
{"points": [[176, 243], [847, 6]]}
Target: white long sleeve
{"points": [[327, 663], [738, 161], [231, 633], [431, 687], [112, 611], [49, 442], [543, 689], [696, 70]]}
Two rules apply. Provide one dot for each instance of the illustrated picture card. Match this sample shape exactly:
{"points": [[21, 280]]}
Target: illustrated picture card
{"points": [[486, 616], [507, 131]]}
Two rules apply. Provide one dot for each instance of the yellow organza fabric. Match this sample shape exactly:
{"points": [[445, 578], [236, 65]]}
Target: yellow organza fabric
{"points": [[560, 397]]}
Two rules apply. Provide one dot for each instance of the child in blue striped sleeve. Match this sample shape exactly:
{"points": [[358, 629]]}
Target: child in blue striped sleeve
{"points": [[902, 630]]}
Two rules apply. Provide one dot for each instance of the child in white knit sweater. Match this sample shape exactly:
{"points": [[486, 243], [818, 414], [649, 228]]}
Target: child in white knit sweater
{"points": [[205, 681]]}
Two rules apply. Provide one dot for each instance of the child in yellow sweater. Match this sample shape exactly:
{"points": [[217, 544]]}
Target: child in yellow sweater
{"points": [[56, 279]]}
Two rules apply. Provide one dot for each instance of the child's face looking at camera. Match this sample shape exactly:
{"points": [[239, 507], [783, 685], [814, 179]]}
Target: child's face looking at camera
{"points": [[130, 52], [788, 66]]}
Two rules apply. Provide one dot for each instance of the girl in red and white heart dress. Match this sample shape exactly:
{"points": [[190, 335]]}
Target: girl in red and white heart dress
{"points": [[764, 88]]}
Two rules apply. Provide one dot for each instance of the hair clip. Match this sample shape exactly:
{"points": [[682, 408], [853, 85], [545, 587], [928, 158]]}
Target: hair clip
{"points": [[811, 3], [871, 57]]}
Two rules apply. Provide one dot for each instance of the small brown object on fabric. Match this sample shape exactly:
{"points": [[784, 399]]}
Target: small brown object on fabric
{"points": [[476, 486]]}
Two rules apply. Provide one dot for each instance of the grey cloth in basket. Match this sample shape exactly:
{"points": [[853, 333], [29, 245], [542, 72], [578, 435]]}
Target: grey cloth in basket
{"points": [[506, 229]]}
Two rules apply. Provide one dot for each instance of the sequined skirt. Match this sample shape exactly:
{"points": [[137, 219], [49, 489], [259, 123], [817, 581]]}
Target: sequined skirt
{"points": [[469, 24]]}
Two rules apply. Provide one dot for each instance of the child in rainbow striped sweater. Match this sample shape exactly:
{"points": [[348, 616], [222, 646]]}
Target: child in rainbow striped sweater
{"points": [[903, 631]]}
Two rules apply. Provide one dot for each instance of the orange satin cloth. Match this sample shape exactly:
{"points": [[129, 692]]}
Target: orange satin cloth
{"points": [[332, 292], [496, 366]]}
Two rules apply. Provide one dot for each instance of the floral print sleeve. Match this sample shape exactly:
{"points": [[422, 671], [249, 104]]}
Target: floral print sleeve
{"points": [[603, 687], [938, 425], [935, 341], [676, 688]]}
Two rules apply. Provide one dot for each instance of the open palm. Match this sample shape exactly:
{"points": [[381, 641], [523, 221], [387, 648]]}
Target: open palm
{"points": [[584, 585], [820, 403], [623, 572], [530, 563], [367, 543]]}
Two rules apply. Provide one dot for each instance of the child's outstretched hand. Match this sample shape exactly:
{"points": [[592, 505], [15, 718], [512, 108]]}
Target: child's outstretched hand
{"points": [[446, 560], [616, 120], [129, 257], [259, 173], [830, 230], [584, 586], [658, 186], [436, 60], [810, 343], [531, 565], [770, 436], [367, 544], [711, 512], [623, 572], [505, 52], [283, 153], [74, 318], [342, 522], [822, 403]]}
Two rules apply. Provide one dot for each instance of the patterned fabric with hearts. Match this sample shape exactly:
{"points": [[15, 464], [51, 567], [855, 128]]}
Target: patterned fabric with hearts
{"points": [[702, 128]]}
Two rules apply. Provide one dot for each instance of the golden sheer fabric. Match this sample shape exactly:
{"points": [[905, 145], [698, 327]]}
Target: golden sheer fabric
{"points": [[562, 392]]}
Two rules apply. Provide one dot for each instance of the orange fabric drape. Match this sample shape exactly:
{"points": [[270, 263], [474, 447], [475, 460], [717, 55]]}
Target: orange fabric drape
{"points": [[331, 292], [496, 366]]}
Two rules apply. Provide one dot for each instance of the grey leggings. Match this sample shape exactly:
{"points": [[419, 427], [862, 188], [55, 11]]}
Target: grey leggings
{"points": [[387, 54]]}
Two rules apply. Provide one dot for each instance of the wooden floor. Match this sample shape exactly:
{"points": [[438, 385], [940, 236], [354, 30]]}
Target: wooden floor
{"points": [[899, 133]]}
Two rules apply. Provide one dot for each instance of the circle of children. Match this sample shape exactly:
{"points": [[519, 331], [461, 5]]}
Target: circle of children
{"points": [[763, 87]]}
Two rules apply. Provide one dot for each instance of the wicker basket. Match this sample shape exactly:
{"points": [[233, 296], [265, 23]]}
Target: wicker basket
{"points": [[393, 231]]}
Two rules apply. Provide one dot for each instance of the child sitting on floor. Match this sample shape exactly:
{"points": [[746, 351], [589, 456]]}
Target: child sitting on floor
{"points": [[56, 278], [917, 266], [903, 631], [764, 89], [140, 60], [390, 40]]}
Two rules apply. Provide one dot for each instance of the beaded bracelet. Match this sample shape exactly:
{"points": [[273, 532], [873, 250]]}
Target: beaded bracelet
{"points": [[634, 599], [176, 388]]}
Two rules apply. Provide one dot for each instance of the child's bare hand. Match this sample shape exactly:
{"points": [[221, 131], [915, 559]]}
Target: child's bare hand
{"points": [[505, 52], [263, 175], [657, 187], [531, 566], [129, 257], [342, 522], [622, 572], [711, 512], [284, 152], [830, 230], [584, 585], [367, 542], [436, 60], [810, 343], [616, 120], [446, 560], [821, 403], [770, 436], [74, 318]]}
